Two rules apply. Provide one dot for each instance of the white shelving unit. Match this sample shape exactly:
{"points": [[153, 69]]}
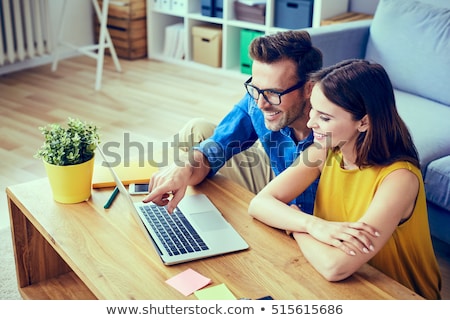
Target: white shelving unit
{"points": [[161, 14]]}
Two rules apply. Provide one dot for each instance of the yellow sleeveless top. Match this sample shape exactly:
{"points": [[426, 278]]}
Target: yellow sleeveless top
{"points": [[408, 256]]}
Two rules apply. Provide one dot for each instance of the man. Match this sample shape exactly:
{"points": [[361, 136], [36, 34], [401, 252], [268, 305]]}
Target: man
{"points": [[273, 113]]}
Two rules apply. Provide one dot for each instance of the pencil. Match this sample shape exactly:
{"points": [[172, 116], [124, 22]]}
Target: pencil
{"points": [[111, 198]]}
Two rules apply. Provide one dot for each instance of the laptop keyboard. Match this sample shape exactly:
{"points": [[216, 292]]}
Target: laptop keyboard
{"points": [[173, 230]]}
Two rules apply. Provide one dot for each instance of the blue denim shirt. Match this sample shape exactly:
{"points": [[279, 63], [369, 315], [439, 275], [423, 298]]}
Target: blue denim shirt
{"points": [[240, 129]]}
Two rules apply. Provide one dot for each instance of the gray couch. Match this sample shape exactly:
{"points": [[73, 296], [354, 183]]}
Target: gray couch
{"points": [[411, 39]]}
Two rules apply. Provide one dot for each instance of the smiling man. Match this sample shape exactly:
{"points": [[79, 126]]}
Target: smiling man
{"points": [[272, 114]]}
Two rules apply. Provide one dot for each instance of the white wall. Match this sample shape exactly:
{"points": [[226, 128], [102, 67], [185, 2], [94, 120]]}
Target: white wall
{"points": [[78, 29]]}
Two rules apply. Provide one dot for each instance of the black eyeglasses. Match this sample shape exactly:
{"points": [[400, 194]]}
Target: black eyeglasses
{"points": [[271, 96]]}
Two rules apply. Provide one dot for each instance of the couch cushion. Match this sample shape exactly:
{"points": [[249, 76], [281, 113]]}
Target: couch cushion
{"points": [[428, 122], [437, 182], [411, 39]]}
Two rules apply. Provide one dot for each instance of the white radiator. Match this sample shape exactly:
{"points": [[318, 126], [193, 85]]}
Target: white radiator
{"points": [[24, 30]]}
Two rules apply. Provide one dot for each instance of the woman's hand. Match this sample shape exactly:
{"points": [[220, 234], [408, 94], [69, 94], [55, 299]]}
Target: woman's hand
{"points": [[350, 237]]}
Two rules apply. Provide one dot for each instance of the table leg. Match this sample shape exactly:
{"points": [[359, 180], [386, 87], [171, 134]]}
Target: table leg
{"points": [[36, 260]]}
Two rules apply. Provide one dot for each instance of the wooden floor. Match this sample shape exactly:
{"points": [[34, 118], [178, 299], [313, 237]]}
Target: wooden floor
{"points": [[148, 102]]}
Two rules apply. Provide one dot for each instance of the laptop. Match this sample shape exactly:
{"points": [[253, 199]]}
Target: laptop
{"points": [[195, 230]]}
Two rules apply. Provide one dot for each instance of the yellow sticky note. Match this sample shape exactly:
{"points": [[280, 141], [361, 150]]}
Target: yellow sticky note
{"points": [[219, 292]]}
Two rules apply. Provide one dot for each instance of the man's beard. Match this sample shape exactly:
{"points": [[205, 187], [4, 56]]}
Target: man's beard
{"points": [[286, 119]]}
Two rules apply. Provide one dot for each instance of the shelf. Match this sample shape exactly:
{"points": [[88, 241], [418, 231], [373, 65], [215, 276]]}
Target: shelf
{"points": [[189, 12]]}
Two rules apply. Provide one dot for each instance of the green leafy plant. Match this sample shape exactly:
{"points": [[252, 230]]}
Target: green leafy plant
{"points": [[68, 146]]}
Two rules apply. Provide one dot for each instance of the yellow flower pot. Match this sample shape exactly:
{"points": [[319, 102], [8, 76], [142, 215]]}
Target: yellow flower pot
{"points": [[71, 184]]}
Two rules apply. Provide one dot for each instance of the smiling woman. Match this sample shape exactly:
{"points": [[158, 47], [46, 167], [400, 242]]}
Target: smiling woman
{"points": [[363, 154]]}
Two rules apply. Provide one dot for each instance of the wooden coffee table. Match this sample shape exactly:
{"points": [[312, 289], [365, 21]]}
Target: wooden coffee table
{"points": [[83, 251]]}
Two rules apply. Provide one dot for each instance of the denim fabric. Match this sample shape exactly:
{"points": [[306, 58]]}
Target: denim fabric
{"points": [[240, 129]]}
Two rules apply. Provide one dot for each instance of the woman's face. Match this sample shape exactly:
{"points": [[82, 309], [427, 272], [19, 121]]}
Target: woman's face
{"points": [[332, 125]]}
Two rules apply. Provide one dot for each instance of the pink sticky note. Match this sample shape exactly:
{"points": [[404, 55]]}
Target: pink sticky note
{"points": [[188, 281]]}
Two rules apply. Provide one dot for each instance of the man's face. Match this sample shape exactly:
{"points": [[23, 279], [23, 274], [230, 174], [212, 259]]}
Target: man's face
{"points": [[294, 107]]}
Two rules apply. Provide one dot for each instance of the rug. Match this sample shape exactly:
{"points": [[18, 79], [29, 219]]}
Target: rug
{"points": [[8, 280]]}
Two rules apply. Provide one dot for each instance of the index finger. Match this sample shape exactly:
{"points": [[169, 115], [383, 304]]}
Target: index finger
{"points": [[366, 227], [177, 196], [157, 193]]}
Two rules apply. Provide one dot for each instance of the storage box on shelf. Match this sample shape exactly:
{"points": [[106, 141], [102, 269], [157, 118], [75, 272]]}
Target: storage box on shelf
{"points": [[208, 44], [294, 14], [246, 38], [127, 26], [212, 8], [255, 13], [218, 8]]}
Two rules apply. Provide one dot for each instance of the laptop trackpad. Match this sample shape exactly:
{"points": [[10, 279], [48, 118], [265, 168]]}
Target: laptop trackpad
{"points": [[208, 221]]}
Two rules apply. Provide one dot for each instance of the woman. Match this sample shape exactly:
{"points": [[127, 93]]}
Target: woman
{"points": [[369, 176]]}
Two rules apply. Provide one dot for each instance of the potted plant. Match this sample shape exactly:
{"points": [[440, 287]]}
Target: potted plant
{"points": [[68, 156]]}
